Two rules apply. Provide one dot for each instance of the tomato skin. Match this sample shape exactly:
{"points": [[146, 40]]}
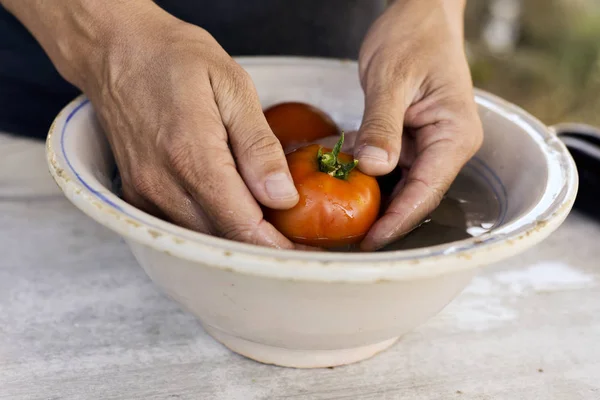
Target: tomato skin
{"points": [[331, 212], [299, 123]]}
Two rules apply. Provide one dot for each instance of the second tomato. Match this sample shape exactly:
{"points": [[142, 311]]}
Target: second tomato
{"points": [[299, 123]]}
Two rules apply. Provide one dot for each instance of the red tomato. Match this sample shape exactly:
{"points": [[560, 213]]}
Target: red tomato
{"points": [[299, 123], [338, 203]]}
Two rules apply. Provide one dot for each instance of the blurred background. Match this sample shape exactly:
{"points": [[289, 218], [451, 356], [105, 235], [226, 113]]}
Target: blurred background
{"points": [[543, 55]]}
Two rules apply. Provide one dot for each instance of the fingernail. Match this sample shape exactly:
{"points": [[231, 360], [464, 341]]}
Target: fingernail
{"points": [[279, 186], [374, 154]]}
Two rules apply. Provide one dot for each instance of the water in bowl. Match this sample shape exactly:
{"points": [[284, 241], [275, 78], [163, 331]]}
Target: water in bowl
{"points": [[470, 208]]}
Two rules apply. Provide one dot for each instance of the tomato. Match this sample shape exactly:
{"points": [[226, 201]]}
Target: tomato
{"points": [[299, 123], [338, 203]]}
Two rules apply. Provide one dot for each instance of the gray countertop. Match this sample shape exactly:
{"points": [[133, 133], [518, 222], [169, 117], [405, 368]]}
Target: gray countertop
{"points": [[80, 320]]}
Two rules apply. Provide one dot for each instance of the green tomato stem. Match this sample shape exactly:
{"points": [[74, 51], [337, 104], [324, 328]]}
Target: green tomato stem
{"points": [[329, 163]]}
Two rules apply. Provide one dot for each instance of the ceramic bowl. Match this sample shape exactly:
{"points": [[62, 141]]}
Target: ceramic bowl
{"points": [[311, 309]]}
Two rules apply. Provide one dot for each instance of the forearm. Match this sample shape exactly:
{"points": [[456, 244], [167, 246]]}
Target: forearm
{"points": [[420, 10], [456, 6], [77, 34]]}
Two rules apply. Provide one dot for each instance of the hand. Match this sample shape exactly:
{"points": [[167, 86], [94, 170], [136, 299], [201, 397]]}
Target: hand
{"points": [[188, 133], [419, 109]]}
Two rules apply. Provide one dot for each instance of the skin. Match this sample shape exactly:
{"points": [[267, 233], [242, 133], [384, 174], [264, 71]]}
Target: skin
{"points": [[190, 138], [419, 111], [331, 212]]}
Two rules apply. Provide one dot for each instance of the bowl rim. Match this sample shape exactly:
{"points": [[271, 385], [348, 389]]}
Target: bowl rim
{"points": [[103, 206]]}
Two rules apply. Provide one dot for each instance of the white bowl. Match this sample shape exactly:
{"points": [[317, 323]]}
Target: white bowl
{"points": [[310, 309]]}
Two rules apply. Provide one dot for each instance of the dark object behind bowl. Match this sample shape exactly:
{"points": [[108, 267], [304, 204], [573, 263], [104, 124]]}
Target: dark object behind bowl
{"points": [[583, 142]]}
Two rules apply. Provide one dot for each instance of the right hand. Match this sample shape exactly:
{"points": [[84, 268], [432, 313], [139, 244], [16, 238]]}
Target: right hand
{"points": [[188, 133]]}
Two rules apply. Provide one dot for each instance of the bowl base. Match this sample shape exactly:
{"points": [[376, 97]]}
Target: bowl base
{"points": [[293, 358]]}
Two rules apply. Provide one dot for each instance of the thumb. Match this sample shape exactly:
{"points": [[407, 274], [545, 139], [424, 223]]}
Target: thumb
{"points": [[379, 140], [259, 156]]}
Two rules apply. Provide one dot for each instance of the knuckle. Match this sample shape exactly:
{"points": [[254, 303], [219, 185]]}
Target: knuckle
{"points": [[459, 145], [240, 76], [178, 154], [472, 144], [198, 168], [193, 165], [400, 70], [469, 139], [464, 140], [477, 135], [260, 147], [381, 131], [380, 125], [240, 83], [396, 68], [436, 193], [235, 94], [242, 231], [144, 183], [391, 62]]}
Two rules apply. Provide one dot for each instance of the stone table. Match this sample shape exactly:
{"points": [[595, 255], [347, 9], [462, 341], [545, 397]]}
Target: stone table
{"points": [[79, 319]]}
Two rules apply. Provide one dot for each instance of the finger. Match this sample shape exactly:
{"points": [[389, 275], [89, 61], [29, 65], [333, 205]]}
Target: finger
{"points": [[379, 141], [207, 171], [163, 197], [229, 204], [304, 247], [407, 155], [259, 155], [443, 150]]}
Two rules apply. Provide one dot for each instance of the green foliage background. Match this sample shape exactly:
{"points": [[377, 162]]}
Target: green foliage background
{"points": [[554, 72]]}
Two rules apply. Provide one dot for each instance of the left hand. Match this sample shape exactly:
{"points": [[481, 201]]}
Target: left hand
{"points": [[420, 111]]}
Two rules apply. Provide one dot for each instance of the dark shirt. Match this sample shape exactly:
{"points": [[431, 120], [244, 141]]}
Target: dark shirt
{"points": [[32, 92]]}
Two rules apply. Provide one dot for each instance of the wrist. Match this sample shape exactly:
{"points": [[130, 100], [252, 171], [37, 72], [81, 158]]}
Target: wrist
{"points": [[455, 6], [99, 35], [79, 36], [451, 12]]}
